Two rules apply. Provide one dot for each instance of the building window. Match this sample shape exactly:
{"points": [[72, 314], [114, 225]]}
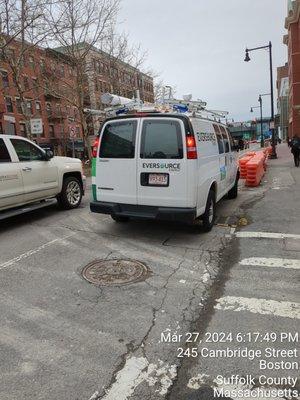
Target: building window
{"points": [[19, 106], [38, 106], [48, 108], [31, 61], [26, 83], [5, 81], [35, 83], [9, 105], [51, 131], [10, 54], [22, 129], [10, 128], [42, 64], [29, 107]]}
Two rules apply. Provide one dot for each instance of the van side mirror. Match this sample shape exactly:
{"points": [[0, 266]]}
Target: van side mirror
{"points": [[48, 155]]}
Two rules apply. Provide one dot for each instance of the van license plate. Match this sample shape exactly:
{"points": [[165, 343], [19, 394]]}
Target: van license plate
{"points": [[158, 179]]}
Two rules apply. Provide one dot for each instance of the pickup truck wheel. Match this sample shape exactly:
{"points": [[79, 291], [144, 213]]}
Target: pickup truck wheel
{"points": [[71, 193], [208, 218], [119, 218], [233, 192]]}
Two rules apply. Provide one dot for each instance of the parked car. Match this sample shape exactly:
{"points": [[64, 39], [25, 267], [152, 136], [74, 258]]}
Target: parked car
{"points": [[29, 174], [163, 166]]}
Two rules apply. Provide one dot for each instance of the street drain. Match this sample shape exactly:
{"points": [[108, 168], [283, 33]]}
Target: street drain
{"points": [[115, 272]]}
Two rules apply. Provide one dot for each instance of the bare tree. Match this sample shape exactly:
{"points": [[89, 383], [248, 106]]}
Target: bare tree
{"points": [[22, 30], [118, 50], [21, 20], [77, 27]]}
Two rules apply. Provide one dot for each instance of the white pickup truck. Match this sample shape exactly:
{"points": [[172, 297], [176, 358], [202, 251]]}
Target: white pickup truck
{"points": [[30, 175]]}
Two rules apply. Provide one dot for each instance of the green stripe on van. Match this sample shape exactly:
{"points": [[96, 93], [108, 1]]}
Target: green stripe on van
{"points": [[94, 166], [94, 192]]}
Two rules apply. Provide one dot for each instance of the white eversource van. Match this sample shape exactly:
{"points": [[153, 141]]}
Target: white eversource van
{"points": [[163, 166]]}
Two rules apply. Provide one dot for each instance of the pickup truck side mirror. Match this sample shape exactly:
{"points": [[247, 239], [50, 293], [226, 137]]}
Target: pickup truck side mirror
{"points": [[48, 155]]}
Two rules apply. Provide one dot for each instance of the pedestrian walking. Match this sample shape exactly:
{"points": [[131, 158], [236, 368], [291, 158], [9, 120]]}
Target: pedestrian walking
{"points": [[295, 149]]}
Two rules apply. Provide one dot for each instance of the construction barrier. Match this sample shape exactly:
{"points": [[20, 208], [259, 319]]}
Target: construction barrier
{"points": [[253, 166], [256, 169], [243, 163]]}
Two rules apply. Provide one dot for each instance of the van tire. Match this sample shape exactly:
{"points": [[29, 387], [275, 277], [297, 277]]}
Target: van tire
{"points": [[208, 218], [71, 193], [120, 218], [233, 192]]}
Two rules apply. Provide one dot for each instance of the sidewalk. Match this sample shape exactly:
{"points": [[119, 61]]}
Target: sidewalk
{"points": [[279, 208]]}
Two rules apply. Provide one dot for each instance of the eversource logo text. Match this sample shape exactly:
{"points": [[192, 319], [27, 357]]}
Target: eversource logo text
{"points": [[168, 166]]}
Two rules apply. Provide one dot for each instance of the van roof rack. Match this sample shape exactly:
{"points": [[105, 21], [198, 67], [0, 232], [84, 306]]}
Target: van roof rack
{"points": [[119, 106]]}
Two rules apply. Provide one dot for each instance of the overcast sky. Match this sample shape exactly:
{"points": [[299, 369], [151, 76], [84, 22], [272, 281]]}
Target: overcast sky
{"points": [[199, 45]]}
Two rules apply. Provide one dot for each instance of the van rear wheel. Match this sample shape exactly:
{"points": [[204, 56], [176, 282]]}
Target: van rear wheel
{"points": [[208, 218], [120, 218]]}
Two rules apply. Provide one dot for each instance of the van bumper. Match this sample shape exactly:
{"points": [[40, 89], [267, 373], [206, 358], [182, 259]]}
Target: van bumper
{"points": [[145, 212]]}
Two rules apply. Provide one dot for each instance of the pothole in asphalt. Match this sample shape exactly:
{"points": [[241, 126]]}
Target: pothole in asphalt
{"points": [[115, 272]]}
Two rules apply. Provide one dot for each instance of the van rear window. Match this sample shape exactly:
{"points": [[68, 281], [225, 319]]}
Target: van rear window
{"points": [[118, 140], [161, 139]]}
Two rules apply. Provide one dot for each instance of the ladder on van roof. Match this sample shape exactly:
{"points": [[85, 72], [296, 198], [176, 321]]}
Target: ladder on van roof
{"points": [[122, 106]]}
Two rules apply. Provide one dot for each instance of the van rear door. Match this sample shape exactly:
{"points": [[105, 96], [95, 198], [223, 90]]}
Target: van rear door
{"points": [[116, 165], [162, 163]]}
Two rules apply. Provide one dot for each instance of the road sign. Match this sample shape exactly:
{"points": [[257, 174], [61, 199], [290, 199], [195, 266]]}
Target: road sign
{"points": [[9, 118], [73, 132], [36, 126]]}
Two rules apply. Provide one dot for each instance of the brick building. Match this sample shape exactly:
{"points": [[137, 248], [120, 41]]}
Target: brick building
{"points": [[117, 77], [282, 85], [46, 85], [30, 83], [105, 73], [292, 40]]}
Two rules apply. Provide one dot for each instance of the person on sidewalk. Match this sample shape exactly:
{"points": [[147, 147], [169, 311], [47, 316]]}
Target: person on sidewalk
{"points": [[295, 149]]}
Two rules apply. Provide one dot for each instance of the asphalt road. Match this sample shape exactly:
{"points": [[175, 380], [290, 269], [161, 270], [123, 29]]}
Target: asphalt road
{"points": [[64, 338]]}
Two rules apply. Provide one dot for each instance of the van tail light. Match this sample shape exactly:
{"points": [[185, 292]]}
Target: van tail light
{"points": [[191, 147], [95, 147]]}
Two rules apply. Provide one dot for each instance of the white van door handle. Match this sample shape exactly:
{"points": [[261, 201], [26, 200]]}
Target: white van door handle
{"points": [[26, 169]]}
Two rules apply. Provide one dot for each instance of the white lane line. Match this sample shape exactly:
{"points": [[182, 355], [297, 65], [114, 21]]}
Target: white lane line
{"points": [[33, 251], [138, 370], [267, 235], [271, 262], [284, 309]]}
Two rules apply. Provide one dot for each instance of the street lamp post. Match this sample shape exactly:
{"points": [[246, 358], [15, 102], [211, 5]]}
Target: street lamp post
{"points": [[247, 58], [262, 142]]}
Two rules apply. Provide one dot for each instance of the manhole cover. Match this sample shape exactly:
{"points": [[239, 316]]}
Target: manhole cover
{"points": [[115, 272]]}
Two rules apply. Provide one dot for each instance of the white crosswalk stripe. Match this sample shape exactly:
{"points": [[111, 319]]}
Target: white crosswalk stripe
{"points": [[267, 235], [271, 262], [283, 309]]}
